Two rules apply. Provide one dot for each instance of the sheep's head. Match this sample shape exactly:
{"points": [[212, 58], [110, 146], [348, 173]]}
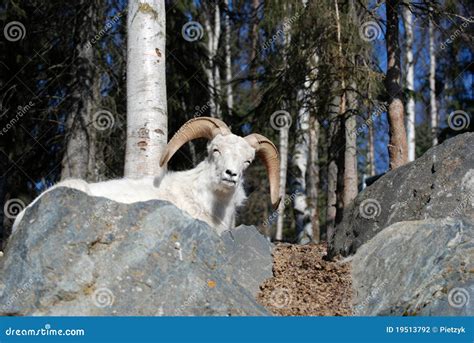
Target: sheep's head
{"points": [[228, 154]]}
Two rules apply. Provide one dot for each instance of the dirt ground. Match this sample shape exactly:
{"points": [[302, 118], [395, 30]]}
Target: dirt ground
{"points": [[304, 284]]}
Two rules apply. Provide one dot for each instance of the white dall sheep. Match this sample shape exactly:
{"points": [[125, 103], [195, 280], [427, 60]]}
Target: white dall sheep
{"points": [[212, 191]]}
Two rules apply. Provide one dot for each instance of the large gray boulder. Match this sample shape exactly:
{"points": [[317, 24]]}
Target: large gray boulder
{"points": [[440, 184], [250, 255], [80, 255], [416, 268]]}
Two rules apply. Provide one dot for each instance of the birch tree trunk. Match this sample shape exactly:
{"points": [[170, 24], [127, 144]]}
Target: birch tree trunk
{"points": [[80, 158], [410, 82], [337, 109], [147, 115], [313, 170], [313, 178], [209, 67], [254, 42], [350, 153], [334, 155], [432, 77], [340, 191], [212, 72], [299, 168], [283, 145], [305, 161], [228, 61], [397, 146], [371, 151]]}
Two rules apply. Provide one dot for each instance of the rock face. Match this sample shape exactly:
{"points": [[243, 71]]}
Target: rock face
{"points": [[78, 255], [417, 268], [250, 255], [440, 184]]}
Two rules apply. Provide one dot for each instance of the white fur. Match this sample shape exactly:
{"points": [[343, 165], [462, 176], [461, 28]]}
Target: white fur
{"points": [[211, 191]]}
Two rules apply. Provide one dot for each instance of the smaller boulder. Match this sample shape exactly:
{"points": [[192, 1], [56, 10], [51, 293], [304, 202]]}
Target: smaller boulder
{"points": [[417, 268]]}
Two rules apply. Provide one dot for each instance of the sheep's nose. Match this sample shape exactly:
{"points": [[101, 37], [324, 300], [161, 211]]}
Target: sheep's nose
{"points": [[230, 173]]}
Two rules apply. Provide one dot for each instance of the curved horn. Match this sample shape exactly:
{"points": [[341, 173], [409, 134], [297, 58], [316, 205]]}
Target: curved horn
{"points": [[202, 127], [268, 153]]}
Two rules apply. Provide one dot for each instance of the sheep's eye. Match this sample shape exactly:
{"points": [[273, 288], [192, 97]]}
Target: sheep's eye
{"points": [[247, 162], [216, 150]]}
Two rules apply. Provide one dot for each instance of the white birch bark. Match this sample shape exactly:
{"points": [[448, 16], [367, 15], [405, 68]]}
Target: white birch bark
{"points": [[209, 67], [313, 169], [283, 146], [213, 33], [313, 179], [333, 155], [283, 171], [432, 78], [410, 82], [299, 166], [371, 151], [228, 61], [350, 153], [147, 116]]}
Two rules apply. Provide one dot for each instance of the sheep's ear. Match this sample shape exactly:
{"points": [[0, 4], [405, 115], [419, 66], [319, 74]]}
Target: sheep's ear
{"points": [[268, 153], [202, 127]]}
